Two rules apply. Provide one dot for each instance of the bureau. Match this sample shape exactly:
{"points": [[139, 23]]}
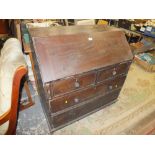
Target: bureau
{"points": [[79, 70]]}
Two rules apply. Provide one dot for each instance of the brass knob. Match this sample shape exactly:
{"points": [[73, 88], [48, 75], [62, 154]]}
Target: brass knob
{"points": [[114, 72], [110, 87], [90, 38], [76, 84], [76, 100]]}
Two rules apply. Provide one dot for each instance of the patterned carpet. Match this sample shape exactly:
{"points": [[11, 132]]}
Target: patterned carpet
{"points": [[136, 104]]}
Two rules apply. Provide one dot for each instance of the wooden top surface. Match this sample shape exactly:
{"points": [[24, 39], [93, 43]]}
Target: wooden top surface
{"points": [[61, 56], [59, 30]]}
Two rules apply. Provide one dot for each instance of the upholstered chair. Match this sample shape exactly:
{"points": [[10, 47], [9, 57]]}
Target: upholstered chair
{"points": [[12, 69]]}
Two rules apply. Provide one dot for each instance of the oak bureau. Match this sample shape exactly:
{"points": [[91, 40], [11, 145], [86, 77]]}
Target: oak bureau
{"points": [[79, 70]]}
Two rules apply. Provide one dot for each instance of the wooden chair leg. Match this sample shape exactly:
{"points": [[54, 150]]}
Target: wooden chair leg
{"points": [[30, 102]]}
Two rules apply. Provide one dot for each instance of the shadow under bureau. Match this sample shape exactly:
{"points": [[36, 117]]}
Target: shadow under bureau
{"points": [[79, 70]]}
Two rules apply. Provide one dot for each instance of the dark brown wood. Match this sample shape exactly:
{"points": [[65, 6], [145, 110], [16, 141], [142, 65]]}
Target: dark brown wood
{"points": [[30, 102], [72, 99], [67, 55], [27, 50], [79, 70], [73, 83], [79, 96], [110, 85], [63, 30], [74, 113], [113, 71], [4, 26]]}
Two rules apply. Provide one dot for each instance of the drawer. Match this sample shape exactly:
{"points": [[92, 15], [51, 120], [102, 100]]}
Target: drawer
{"points": [[71, 99], [74, 83], [111, 72], [77, 97], [112, 84], [84, 110]]}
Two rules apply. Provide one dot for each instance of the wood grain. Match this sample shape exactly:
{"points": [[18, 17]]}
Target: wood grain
{"points": [[67, 55], [74, 67]]}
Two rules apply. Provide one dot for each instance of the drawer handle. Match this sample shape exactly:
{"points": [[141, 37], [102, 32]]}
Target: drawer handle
{"points": [[110, 87], [76, 84], [90, 38], [114, 72], [76, 100]]}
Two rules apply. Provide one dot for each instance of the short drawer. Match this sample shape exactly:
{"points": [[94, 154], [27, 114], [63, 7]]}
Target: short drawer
{"points": [[111, 85], [77, 97], [111, 72], [70, 84]]}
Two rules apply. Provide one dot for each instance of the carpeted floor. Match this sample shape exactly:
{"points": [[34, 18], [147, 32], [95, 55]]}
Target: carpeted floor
{"points": [[133, 113]]}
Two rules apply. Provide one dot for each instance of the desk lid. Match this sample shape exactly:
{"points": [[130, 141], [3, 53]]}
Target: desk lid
{"points": [[63, 30], [60, 56]]}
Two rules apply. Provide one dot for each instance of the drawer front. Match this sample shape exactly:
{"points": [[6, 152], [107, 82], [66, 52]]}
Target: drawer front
{"points": [[70, 84], [71, 99], [111, 72], [83, 110], [112, 84], [77, 97]]}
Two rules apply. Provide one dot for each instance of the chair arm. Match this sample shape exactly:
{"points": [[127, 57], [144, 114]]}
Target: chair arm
{"points": [[11, 114], [5, 117]]}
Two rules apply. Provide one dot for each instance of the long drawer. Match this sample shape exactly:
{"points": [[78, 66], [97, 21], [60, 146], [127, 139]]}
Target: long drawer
{"points": [[79, 96], [83, 110]]}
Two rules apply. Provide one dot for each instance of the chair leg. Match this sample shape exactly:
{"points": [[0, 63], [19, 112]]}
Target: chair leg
{"points": [[30, 102], [14, 132]]}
